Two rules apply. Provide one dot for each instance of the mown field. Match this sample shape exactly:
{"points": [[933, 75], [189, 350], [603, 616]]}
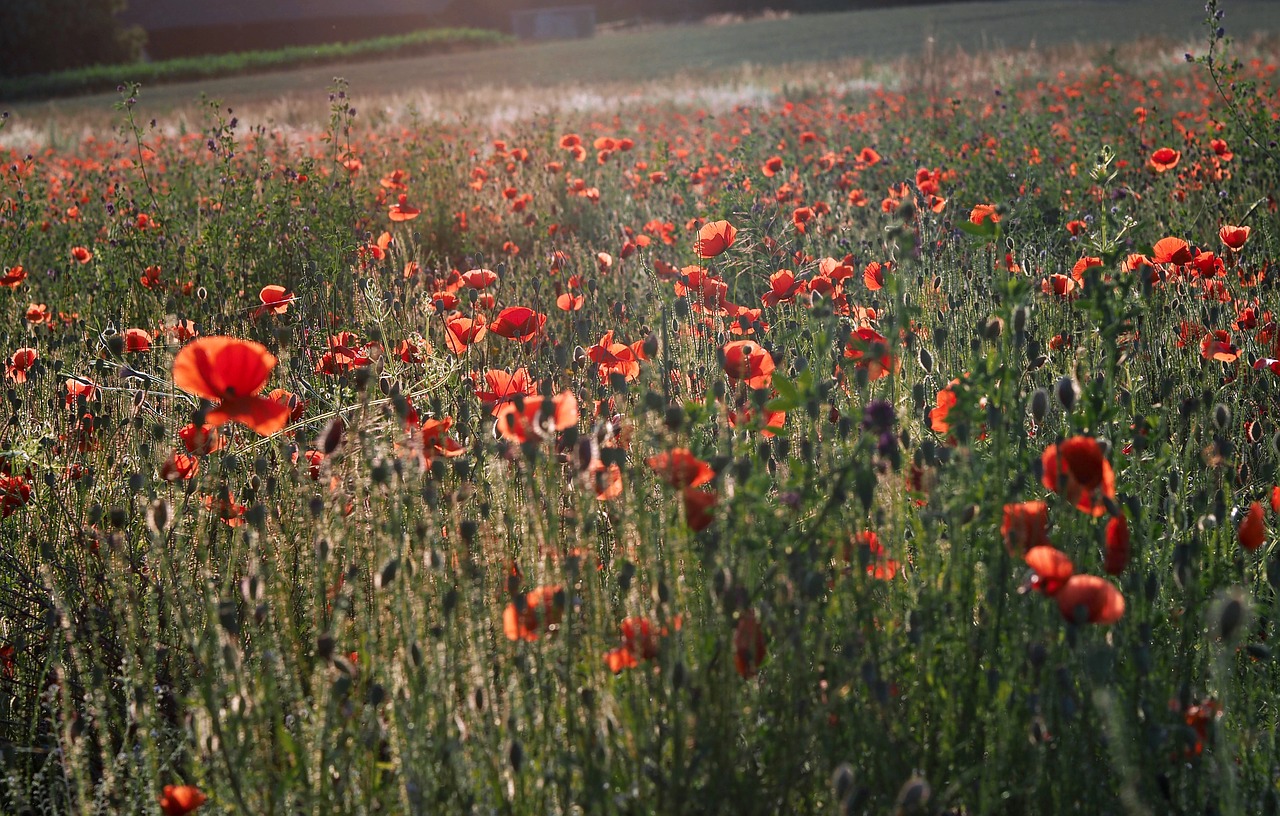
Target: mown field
{"points": [[804, 444]]}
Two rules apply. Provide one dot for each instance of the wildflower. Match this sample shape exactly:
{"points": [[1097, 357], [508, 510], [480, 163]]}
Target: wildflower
{"points": [[179, 800], [639, 641], [1217, 345], [1090, 599], [536, 612], [13, 276], [1163, 160], [1077, 470], [1024, 526], [15, 492], [81, 255], [1171, 251], [530, 422], [460, 332], [137, 340], [1253, 530], [749, 362], [402, 210], [231, 372], [1117, 546], [1234, 237], [714, 238], [981, 213], [275, 300], [19, 364], [1052, 568], [681, 469], [518, 323]]}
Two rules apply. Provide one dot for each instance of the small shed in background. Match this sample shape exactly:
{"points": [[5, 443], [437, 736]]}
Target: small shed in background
{"points": [[554, 23]]}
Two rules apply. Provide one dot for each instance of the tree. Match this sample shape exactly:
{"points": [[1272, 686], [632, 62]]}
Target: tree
{"points": [[39, 36]]}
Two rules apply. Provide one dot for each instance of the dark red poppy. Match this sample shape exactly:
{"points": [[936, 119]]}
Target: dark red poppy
{"points": [[748, 644], [1117, 547], [1077, 470], [1252, 532], [1024, 526]]}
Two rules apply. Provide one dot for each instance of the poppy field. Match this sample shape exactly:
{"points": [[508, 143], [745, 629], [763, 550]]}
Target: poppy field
{"points": [[909, 449]]}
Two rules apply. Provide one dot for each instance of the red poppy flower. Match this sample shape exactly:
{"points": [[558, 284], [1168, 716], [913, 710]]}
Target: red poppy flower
{"points": [[868, 156], [20, 363], [714, 238], [1117, 548], [500, 386], [541, 611], [479, 278], [14, 493], [531, 423], [614, 358], [79, 388], [297, 406], [13, 276], [201, 440], [639, 638], [681, 469], [772, 166], [179, 467], [179, 800], [231, 372], [783, 287], [137, 340], [938, 415], [1090, 599], [275, 300], [518, 323], [37, 313], [874, 275], [1163, 160], [1217, 345], [462, 332], [1052, 568], [1221, 149], [749, 362], [1234, 237], [1060, 286], [748, 644], [151, 278], [982, 213], [1024, 526], [1077, 470], [402, 210], [871, 349], [697, 507], [1171, 251], [81, 255], [1253, 530]]}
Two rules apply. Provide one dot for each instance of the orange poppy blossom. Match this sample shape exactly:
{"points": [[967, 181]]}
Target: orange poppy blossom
{"points": [[1171, 250], [535, 418], [19, 364], [201, 440], [681, 469], [1090, 599], [749, 362], [402, 210], [871, 554], [697, 507], [714, 238], [1217, 346], [460, 333], [36, 314], [1077, 470], [938, 415], [871, 349], [81, 255], [434, 439], [534, 613], [1252, 532], [981, 213], [1163, 160], [179, 800], [518, 323], [479, 278], [137, 340], [1024, 526], [1234, 237], [639, 641], [179, 467], [13, 276], [783, 287], [500, 386], [1051, 567], [614, 358], [749, 646], [275, 300], [297, 406], [231, 372], [873, 276], [1116, 556]]}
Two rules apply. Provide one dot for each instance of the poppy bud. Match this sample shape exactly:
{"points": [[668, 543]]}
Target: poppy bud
{"points": [[926, 361], [913, 796], [1038, 405], [993, 328], [1229, 615], [842, 780], [1020, 316], [1221, 416], [1067, 392]]}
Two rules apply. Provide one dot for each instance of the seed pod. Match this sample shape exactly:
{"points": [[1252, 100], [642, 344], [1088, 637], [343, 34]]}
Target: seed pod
{"points": [[1038, 405], [1066, 392]]}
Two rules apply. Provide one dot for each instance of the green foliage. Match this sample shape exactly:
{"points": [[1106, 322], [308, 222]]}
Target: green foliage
{"points": [[42, 36]]}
